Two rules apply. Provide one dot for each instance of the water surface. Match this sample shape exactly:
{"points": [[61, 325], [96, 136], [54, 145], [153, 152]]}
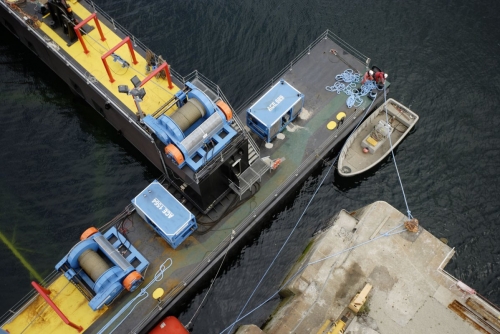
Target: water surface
{"points": [[63, 168]]}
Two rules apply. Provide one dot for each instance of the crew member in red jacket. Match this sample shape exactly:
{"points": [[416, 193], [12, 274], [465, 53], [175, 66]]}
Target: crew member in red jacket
{"points": [[380, 78], [367, 77]]}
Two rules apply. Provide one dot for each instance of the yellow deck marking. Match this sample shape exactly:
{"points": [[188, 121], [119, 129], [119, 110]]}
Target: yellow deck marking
{"points": [[20, 257], [340, 115], [156, 94], [39, 317], [331, 125]]}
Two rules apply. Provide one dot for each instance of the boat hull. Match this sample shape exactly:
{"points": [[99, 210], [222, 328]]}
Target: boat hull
{"points": [[359, 155]]}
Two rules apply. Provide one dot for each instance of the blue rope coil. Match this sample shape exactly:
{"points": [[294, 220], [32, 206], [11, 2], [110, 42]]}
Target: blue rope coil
{"points": [[348, 76], [349, 87]]}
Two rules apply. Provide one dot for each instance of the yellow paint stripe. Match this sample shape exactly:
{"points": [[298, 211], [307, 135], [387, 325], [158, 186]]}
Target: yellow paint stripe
{"points": [[20, 257], [38, 317], [157, 91]]}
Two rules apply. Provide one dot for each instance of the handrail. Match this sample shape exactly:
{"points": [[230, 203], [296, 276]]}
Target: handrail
{"points": [[325, 35], [26, 300], [249, 219]]}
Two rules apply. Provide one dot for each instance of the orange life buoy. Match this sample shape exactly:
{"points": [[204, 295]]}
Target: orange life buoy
{"points": [[88, 232]]}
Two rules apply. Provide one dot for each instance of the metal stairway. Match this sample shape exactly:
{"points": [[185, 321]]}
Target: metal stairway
{"points": [[249, 176]]}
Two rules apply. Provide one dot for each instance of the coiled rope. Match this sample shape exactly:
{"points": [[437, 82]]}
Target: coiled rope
{"points": [[350, 88], [337, 87], [293, 230]]}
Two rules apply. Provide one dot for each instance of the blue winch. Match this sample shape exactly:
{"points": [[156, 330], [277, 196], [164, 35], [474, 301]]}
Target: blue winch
{"points": [[197, 131], [97, 267]]}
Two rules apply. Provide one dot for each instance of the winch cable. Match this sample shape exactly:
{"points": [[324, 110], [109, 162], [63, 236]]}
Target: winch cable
{"points": [[298, 221], [213, 281], [394, 157], [392, 231]]}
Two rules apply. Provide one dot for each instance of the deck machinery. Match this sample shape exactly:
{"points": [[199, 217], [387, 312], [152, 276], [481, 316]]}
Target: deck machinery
{"points": [[203, 146], [102, 266]]}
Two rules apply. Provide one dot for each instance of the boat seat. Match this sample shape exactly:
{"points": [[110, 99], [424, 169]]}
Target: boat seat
{"points": [[371, 141]]}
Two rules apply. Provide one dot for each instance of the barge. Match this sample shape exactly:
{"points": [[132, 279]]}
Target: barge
{"points": [[214, 159]]}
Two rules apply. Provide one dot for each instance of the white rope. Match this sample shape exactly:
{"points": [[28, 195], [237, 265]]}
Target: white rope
{"points": [[389, 233], [143, 293], [300, 270], [295, 227], [213, 281], [394, 157]]}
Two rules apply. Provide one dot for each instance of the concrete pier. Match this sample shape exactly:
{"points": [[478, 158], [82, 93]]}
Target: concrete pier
{"points": [[411, 292]]}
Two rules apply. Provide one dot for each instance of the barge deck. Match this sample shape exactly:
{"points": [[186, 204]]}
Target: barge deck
{"points": [[300, 148]]}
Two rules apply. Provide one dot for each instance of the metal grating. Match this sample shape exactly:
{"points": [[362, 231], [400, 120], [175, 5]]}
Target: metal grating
{"points": [[251, 175]]}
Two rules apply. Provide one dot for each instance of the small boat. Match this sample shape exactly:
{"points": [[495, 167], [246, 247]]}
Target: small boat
{"points": [[370, 143]]}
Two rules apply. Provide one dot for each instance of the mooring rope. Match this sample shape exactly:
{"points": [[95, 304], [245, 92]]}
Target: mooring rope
{"points": [[337, 87], [213, 281], [295, 227], [389, 233], [394, 157], [354, 94]]}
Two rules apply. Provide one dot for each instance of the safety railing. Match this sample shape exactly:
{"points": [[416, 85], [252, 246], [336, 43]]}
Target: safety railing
{"points": [[44, 293], [325, 35], [465, 290]]}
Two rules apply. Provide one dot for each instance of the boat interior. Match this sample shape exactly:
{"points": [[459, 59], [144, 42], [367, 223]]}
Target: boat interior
{"points": [[368, 146]]}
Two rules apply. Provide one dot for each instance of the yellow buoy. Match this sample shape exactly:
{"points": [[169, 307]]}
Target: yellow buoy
{"points": [[158, 293], [331, 125], [340, 115]]}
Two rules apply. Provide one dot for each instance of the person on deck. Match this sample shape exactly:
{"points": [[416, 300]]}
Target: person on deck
{"points": [[380, 78], [367, 77]]}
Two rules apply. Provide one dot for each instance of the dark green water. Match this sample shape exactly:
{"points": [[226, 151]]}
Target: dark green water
{"points": [[63, 168]]}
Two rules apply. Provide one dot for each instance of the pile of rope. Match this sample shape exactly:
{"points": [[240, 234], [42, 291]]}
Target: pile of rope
{"points": [[347, 83], [30, 20]]}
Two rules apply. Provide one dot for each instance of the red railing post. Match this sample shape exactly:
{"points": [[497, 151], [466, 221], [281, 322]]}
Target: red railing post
{"points": [[113, 49], [44, 293], [106, 66], [131, 49], [84, 22], [155, 72]]}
